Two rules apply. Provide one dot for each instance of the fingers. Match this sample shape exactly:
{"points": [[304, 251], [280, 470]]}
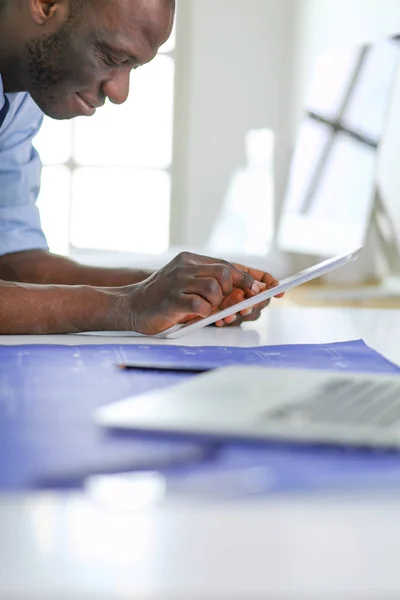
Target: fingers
{"points": [[207, 288], [243, 281], [194, 305], [261, 276], [244, 278], [233, 320], [203, 284], [227, 275], [258, 307], [238, 296], [253, 316], [234, 298], [238, 319], [193, 286], [230, 278], [248, 314]]}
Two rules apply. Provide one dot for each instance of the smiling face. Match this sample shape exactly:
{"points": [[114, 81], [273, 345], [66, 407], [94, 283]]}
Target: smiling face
{"points": [[89, 57]]}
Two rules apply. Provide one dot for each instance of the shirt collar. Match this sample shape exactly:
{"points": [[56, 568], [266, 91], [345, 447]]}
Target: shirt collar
{"points": [[2, 97]]}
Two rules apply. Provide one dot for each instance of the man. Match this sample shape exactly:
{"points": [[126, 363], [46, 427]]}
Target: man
{"points": [[63, 58]]}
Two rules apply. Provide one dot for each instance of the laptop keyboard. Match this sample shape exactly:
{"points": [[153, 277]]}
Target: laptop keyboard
{"points": [[344, 401]]}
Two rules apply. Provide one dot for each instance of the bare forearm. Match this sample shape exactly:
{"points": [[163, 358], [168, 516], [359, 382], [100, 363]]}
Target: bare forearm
{"points": [[42, 309], [42, 267]]}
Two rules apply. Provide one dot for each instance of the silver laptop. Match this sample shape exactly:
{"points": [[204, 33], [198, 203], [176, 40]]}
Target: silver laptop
{"points": [[250, 402]]}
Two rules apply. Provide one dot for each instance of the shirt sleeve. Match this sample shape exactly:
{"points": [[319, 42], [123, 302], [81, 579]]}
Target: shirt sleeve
{"points": [[20, 170]]}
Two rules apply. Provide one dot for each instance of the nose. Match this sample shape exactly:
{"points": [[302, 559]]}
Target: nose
{"points": [[117, 87]]}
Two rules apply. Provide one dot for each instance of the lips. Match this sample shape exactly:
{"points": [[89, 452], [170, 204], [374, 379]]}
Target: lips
{"points": [[84, 106], [91, 104]]}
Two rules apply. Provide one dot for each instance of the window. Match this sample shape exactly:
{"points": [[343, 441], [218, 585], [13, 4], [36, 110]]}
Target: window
{"points": [[339, 138], [333, 179], [106, 179]]}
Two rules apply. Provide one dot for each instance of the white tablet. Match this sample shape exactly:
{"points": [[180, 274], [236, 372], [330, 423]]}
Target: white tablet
{"points": [[317, 270]]}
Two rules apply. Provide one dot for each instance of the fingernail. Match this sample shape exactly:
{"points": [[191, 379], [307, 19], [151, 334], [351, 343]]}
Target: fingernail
{"points": [[230, 319], [247, 312], [255, 289]]}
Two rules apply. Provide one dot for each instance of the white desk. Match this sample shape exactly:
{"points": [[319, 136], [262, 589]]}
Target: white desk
{"points": [[299, 547]]}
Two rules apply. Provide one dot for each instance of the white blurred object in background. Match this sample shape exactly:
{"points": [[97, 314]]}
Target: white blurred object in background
{"points": [[246, 222]]}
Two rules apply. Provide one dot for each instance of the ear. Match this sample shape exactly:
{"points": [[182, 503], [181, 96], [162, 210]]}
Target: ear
{"points": [[49, 12]]}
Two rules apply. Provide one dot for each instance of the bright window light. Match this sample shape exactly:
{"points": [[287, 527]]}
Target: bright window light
{"points": [[106, 179]]}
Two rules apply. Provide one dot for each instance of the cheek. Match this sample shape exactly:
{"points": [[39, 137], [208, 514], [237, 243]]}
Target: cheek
{"points": [[84, 75], [83, 66]]}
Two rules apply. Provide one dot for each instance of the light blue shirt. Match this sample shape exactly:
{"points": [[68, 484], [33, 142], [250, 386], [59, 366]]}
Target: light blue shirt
{"points": [[20, 168]]}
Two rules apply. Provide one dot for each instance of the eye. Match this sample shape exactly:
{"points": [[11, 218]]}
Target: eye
{"points": [[108, 58], [111, 62]]}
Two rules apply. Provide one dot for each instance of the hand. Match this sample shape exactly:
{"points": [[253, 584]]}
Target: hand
{"points": [[188, 287], [265, 281]]}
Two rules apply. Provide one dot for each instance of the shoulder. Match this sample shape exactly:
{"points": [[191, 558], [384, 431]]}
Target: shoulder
{"points": [[24, 115]]}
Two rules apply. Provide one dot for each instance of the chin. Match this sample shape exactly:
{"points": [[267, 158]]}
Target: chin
{"points": [[59, 113], [59, 110]]}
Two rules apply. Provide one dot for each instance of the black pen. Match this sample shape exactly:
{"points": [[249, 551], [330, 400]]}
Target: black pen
{"points": [[171, 368]]}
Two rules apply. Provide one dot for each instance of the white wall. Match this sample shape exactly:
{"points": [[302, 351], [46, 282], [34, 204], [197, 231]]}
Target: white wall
{"points": [[322, 24], [233, 74]]}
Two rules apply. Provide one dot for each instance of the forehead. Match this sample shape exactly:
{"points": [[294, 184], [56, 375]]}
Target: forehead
{"points": [[140, 26]]}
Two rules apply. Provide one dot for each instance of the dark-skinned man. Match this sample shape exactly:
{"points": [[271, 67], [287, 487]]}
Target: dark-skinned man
{"points": [[63, 58]]}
